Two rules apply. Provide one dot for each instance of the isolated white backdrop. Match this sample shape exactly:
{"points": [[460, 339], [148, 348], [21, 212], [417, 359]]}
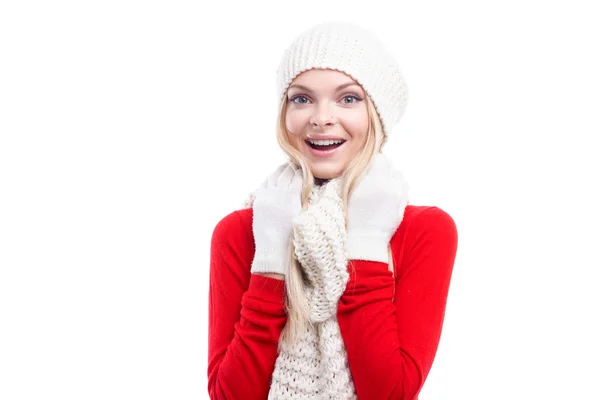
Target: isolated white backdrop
{"points": [[128, 129]]}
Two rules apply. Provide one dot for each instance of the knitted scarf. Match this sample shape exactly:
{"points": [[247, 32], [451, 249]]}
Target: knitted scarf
{"points": [[316, 367]]}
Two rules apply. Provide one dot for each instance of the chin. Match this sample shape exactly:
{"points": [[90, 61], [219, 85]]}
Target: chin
{"points": [[327, 173]]}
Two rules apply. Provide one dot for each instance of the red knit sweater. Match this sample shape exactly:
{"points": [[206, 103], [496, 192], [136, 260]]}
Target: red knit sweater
{"points": [[390, 344]]}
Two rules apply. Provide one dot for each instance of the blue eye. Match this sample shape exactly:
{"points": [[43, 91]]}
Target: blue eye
{"points": [[297, 97], [351, 96]]}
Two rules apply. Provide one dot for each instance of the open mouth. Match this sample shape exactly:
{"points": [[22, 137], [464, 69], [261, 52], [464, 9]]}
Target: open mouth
{"points": [[325, 145]]}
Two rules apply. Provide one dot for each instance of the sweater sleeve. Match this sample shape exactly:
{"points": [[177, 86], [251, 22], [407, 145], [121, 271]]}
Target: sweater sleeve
{"points": [[246, 316], [391, 344]]}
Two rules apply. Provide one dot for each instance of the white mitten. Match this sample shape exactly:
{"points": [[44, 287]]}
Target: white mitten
{"points": [[276, 203], [375, 210]]}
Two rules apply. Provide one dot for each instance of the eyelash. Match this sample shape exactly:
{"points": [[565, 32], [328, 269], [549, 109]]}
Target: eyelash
{"points": [[348, 95]]}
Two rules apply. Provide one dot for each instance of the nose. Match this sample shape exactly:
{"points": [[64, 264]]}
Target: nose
{"points": [[322, 118]]}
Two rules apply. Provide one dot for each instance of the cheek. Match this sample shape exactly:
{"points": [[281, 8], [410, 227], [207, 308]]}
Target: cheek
{"points": [[357, 124], [294, 122]]}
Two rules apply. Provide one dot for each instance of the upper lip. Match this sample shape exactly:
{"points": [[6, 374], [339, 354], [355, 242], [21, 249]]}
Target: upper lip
{"points": [[326, 137]]}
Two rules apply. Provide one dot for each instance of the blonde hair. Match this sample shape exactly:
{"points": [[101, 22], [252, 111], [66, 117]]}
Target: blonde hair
{"points": [[296, 305]]}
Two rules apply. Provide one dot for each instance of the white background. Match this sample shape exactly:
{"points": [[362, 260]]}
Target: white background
{"points": [[128, 129]]}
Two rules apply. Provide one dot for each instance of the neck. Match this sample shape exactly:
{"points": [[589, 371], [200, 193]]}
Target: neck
{"points": [[320, 181]]}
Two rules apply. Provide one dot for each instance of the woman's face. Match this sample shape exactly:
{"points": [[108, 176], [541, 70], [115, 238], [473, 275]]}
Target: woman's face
{"points": [[326, 104]]}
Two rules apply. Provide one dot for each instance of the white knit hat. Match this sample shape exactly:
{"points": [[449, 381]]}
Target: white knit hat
{"points": [[356, 52]]}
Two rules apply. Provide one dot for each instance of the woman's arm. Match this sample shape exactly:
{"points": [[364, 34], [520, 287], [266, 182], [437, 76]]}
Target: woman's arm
{"points": [[391, 345], [246, 315]]}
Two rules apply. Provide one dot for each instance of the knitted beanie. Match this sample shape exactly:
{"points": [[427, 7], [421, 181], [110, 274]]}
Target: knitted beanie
{"points": [[355, 51]]}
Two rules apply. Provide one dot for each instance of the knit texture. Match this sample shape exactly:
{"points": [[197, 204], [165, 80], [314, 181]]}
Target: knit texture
{"points": [[358, 53], [316, 367]]}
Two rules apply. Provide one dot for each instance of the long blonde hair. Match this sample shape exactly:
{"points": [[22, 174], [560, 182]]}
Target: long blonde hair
{"points": [[296, 304]]}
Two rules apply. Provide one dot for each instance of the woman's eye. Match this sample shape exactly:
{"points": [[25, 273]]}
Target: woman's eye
{"points": [[356, 98], [349, 99], [293, 100]]}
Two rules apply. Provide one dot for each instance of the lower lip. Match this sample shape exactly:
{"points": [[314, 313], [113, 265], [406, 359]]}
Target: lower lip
{"points": [[324, 153]]}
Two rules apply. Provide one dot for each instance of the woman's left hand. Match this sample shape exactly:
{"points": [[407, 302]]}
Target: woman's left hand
{"points": [[375, 210]]}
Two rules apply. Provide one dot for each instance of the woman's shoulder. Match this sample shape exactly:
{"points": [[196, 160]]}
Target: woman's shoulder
{"points": [[232, 248], [234, 232], [235, 221], [426, 216], [423, 227], [426, 220]]}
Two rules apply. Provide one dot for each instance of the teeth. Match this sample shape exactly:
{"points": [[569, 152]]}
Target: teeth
{"points": [[325, 142]]}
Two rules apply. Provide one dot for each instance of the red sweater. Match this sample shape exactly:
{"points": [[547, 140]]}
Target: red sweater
{"points": [[390, 344]]}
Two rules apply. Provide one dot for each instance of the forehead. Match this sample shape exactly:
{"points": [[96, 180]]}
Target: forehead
{"points": [[326, 79]]}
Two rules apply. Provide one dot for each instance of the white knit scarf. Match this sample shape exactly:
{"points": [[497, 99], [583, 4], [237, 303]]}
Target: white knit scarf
{"points": [[316, 367]]}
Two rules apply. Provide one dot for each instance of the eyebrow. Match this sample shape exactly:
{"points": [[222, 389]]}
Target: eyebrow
{"points": [[343, 86]]}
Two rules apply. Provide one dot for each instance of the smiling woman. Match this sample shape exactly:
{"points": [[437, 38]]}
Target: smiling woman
{"points": [[326, 120], [328, 284]]}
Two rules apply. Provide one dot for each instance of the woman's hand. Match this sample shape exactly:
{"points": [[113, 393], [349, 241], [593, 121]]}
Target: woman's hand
{"points": [[276, 203], [375, 210]]}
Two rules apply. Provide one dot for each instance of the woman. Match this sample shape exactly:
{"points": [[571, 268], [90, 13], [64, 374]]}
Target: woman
{"points": [[328, 285]]}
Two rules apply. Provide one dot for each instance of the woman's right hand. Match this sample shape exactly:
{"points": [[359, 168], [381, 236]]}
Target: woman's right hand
{"points": [[276, 203]]}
